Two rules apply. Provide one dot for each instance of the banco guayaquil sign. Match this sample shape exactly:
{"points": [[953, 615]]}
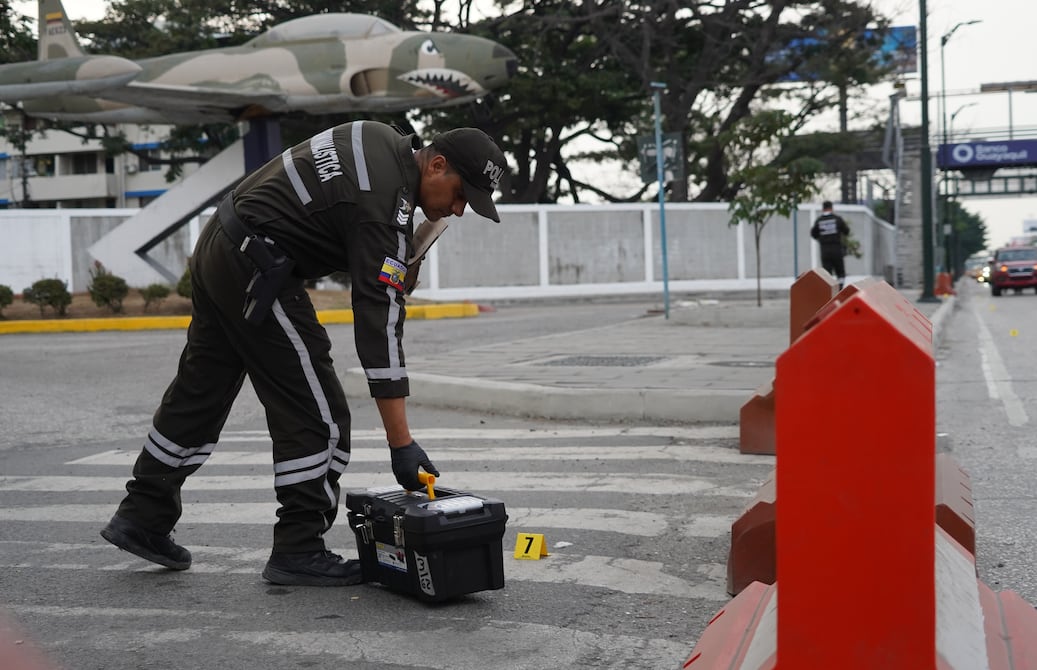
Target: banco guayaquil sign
{"points": [[1007, 153], [673, 158]]}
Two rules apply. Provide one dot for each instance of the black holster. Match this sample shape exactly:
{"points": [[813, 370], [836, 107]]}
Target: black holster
{"points": [[273, 267]]}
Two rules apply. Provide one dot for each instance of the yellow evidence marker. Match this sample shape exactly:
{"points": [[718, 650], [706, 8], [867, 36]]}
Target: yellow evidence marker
{"points": [[530, 546]]}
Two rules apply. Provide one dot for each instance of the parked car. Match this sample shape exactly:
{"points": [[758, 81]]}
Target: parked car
{"points": [[1014, 268]]}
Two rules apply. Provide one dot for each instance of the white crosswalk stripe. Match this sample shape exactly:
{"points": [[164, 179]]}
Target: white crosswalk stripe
{"points": [[473, 481], [648, 533], [697, 453]]}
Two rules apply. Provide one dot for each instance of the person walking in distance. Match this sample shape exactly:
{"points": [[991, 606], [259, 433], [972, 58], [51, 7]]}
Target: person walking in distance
{"points": [[341, 201], [830, 230]]}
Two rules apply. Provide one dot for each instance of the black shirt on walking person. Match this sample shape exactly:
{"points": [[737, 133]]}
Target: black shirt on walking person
{"points": [[830, 230]]}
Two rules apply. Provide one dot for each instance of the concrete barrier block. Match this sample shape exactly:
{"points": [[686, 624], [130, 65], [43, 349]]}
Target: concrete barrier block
{"points": [[972, 627], [742, 635], [756, 422], [954, 509], [1011, 629], [809, 293], [752, 557]]}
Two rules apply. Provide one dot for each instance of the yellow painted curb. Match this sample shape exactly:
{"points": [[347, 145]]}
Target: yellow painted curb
{"points": [[91, 325], [327, 317]]}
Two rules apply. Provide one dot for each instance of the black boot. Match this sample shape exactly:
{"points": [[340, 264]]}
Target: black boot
{"points": [[154, 547], [311, 568]]}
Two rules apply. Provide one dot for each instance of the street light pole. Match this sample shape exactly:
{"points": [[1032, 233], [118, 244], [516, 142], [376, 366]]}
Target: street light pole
{"points": [[947, 227], [950, 235], [927, 164], [657, 87]]}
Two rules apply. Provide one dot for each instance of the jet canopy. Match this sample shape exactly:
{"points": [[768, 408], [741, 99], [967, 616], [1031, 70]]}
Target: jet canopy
{"points": [[323, 26]]}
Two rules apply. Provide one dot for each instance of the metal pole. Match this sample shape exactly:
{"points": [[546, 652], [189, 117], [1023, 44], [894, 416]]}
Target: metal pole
{"points": [[943, 148], [795, 242], [927, 166], [948, 229], [657, 87]]}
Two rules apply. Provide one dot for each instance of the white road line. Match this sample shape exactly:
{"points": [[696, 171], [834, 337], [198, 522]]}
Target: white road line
{"points": [[642, 524], [675, 432], [638, 484], [999, 382], [134, 613], [701, 454]]}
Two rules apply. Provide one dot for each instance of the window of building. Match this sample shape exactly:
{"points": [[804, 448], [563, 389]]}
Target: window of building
{"points": [[144, 164], [80, 163], [42, 165]]}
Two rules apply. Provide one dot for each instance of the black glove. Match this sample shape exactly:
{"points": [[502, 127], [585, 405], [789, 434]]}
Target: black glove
{"points": [[405, 462]]}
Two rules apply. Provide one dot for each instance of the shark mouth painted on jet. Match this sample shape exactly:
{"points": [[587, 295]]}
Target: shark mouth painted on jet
{"points": [[442, 82]]}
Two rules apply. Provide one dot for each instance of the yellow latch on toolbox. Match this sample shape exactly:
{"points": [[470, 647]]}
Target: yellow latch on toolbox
{"points": [[429, 481]]}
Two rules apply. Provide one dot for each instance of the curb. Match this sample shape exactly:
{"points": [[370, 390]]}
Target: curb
{"points": [[326, 317], [564, 404]]}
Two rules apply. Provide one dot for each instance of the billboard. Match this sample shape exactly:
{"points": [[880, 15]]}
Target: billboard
{"points": [[1005, 153], [898, 50]]}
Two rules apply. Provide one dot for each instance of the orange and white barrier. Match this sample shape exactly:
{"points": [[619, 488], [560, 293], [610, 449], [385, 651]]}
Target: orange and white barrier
{"points": [[866, 576]]}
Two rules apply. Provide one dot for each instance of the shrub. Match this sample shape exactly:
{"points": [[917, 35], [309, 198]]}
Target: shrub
{"points": [[6, 297], [106, 289], [154, 293], [183, 287], [49, 292]]}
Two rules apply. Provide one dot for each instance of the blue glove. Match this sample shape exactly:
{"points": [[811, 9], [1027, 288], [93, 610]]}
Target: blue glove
{"points": [[405, 463]]}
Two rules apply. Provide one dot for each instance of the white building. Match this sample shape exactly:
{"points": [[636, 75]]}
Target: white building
{"points": [[64, 171]]}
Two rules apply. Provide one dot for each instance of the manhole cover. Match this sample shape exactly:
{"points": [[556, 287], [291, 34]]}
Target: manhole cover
{"points": [[604, 361], [744, 364]]}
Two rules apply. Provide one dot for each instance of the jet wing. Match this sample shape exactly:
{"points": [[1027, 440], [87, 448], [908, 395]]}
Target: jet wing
{"points": [[81, 75], [233, 99]]}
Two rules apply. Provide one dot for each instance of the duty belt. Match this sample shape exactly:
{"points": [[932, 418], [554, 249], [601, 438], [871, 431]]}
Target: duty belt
{"points": [[273, 267]]}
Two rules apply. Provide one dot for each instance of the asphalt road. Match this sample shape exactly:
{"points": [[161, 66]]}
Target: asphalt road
{"points": [[636, 516]]}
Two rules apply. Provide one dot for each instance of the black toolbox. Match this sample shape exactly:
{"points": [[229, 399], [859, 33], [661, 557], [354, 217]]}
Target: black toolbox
{"points": [[433, 549]]}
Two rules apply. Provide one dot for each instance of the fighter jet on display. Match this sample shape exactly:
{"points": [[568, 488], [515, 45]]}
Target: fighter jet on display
{"points": [[316, 64]]}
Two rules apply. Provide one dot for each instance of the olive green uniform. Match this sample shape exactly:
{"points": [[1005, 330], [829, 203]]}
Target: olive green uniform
{"points": [[344, 201]]}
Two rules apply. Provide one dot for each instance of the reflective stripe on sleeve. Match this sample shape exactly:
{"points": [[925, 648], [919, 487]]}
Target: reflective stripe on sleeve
{"points": [[395, 370], [363, 181], [294, 178]]}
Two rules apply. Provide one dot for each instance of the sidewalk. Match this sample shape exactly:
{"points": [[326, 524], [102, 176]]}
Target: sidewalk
{"points": [[699, 366]]}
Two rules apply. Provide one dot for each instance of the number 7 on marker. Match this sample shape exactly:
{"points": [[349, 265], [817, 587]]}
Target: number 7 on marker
{"points": [[530, 546]]}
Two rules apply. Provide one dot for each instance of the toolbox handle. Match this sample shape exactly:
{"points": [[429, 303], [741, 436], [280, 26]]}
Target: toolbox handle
{"points": [[429, 480]]}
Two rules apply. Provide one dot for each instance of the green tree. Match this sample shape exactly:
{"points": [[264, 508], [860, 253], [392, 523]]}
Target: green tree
{"points": [[970, 232], [107, 289], [49, 293], [154, 294], [775, 178], [568, 90], [17, 44], [6, 297], [586, 69]]}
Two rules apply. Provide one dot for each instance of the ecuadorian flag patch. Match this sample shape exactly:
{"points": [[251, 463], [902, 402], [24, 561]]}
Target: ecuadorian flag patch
{"points": [[393, 273]]}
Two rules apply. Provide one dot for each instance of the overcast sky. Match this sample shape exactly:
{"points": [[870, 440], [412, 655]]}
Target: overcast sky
{"points": [[997, 49]]}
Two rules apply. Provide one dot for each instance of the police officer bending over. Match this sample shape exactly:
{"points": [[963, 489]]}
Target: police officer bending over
{"points": [[342, 201]]}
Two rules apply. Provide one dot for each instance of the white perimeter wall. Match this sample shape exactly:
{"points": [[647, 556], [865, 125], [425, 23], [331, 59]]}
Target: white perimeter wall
{"points": [[536, 250]]}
